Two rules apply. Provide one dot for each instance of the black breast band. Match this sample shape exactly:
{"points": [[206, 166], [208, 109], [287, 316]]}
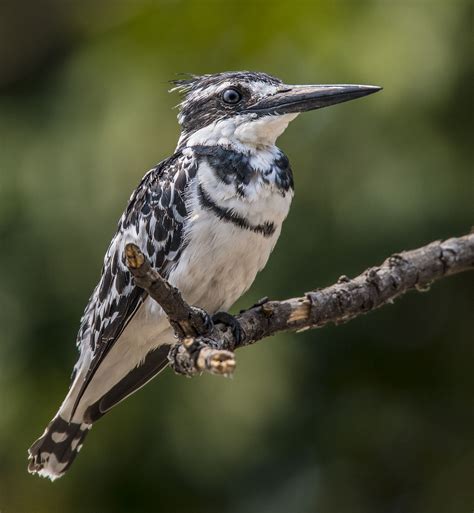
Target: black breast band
{"points": [[266, 229]]}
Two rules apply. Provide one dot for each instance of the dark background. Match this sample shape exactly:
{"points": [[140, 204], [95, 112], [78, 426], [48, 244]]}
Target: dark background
{"points": [[375, 416]]}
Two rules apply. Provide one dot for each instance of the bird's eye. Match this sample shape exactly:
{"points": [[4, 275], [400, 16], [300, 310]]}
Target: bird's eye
{"points": [[231, 96]]}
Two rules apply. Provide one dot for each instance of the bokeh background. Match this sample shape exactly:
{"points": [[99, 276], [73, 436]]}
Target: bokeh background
{"points": [[375, 416]]}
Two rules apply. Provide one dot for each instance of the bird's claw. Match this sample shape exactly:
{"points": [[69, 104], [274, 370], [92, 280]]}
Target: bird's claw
{"points": [[229, 320], [207, 320]]}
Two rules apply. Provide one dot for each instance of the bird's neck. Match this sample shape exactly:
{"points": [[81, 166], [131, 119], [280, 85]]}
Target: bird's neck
{"points": [[245, 133]]}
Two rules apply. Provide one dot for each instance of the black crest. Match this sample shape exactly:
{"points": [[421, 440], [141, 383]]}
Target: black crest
{"points": [[194, 82]]}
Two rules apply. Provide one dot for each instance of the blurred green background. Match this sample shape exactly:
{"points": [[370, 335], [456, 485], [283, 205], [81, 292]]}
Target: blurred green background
{"points": [[375, 416]]}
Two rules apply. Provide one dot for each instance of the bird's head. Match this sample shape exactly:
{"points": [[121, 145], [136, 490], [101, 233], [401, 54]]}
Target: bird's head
{"points": [[250, 109]]}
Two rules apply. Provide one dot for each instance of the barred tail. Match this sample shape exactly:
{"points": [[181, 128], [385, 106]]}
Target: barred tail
{"points": [[52, 454]]}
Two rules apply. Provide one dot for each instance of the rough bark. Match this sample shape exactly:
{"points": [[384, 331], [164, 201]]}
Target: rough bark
{"points": [[202, 346]]}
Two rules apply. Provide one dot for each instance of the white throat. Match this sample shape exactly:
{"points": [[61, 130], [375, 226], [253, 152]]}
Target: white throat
{"points": [[242, 132]]}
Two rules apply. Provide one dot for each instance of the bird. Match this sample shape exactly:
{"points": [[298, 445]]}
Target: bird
{"points": [[207, 218]]}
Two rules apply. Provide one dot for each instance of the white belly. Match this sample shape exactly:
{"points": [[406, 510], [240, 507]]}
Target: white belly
{"points": [[220, 262]]}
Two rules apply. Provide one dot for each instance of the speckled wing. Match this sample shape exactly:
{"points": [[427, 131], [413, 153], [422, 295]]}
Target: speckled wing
{"points": [[154, 219]]}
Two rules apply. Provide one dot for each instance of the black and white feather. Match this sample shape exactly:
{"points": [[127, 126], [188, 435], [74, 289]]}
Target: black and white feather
{"points": [[207, 218], [154, 218]]}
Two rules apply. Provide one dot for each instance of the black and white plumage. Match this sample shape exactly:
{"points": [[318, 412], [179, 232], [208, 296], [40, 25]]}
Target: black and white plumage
{"points": [[207, 218]]}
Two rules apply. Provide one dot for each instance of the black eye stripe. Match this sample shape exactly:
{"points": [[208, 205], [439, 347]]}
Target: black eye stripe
{"points": [[231, 96]]}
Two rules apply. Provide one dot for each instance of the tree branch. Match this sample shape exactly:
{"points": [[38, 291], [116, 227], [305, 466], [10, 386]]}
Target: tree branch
{"points": [[202, 346]]}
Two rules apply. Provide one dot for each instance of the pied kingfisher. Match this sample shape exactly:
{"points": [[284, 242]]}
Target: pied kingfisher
{"points": [[207, 218]]}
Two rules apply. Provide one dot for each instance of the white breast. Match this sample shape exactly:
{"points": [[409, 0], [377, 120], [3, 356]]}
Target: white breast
{"points": [[221, 259]]}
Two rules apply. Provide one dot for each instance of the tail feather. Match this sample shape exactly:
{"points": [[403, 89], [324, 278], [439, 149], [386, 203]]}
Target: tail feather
{"points": [[52, 454]]}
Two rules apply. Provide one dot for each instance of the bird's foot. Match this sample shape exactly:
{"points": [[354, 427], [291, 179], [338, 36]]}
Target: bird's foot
{"points": [[207, 320], [229, 320]]}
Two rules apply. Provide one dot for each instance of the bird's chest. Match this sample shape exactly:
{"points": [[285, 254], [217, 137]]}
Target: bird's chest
{"points": [[220, 262], [222, 255]]}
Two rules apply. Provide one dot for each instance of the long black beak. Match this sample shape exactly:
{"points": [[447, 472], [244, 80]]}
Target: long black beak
{"points": [[300, 98]]}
